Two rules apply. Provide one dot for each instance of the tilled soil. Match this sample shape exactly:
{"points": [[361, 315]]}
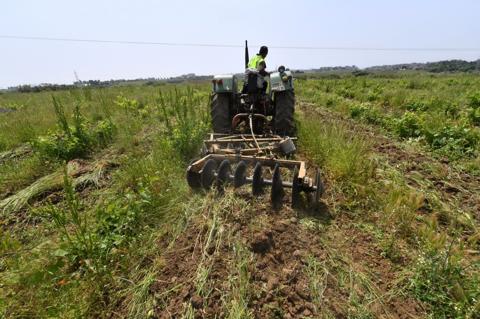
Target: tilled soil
{"points": [[280, 247]]}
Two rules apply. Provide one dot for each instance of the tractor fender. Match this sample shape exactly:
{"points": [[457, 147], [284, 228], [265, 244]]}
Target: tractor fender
{"points": [[224, 84], [281, 81]]}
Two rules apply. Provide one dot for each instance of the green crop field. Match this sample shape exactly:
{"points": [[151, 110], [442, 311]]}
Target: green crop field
{"points": [[97, 220]]}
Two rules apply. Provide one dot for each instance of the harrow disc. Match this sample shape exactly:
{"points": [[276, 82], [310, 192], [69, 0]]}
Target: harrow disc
{"points": [[223, 174], [319, 187], [277, 188], [257, 180], [240, 175], [193, 179], [207, 174], [296, 188]]}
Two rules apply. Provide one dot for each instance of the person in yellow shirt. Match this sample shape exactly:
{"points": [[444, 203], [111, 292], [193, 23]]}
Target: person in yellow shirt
{"points": [[258, 64], [258, 61]]}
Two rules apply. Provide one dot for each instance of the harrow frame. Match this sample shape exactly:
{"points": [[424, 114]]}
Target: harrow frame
{"points": [[221, 150]]}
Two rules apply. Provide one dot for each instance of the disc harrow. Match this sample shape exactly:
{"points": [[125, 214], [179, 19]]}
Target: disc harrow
{"points": [[260, 160]]}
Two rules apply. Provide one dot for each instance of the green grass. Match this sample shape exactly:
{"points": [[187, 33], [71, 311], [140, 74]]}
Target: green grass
{"points": [[80, 254], [378, 197], [338, 151], [438, 111], [86, 245], [18, 173]]}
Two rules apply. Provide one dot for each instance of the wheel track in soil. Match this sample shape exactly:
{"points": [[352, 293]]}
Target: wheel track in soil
{"points": [[280, 245]]}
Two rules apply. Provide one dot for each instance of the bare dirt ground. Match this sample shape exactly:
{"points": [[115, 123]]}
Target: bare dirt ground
{"points": [[281, 247]]}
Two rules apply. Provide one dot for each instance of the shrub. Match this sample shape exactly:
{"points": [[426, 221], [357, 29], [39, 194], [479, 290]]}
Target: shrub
{"points": [[366, 112], [128, 104], [357, 111], [331, 102], [186, 120], [60, 145], [416, 106], [453, 141], [409, 125], [68, 142], [474, 116], [103, 132], [474, 111], [118, 220], [474, 100], [77, 239], [88, 240], [373, 95], [441, 279], [346, 93], [452, 110]]}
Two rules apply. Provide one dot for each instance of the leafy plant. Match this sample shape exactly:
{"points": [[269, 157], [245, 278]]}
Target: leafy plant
{"points": [[68, 142], [416, 106], [452, 110], [474, 111], [346, 93], [78, 240], [453, 141], [366, 112], [409, 125], [474, 116], [474, 100], [440, 278], [185, 118], [128, 104], [118, 220], [358, 110]]}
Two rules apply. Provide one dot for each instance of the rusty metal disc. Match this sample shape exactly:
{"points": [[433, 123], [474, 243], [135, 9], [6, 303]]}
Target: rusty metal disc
{"points": [[320, 188], [296, 189], [240, 175], [223, 175], [193, 179], [257, 180], [277, 191], [207, 174]]}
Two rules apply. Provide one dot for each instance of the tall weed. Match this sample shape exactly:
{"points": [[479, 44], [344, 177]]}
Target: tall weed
{"points": [[186, 120], [73, 141]]}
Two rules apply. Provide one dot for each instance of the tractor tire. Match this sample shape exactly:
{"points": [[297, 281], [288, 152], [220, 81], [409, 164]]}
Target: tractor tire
{"points": [[284, 110], [220, 113]]}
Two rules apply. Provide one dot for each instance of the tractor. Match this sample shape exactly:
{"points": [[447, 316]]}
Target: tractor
{"points": [[272, 111], [253, 128]]}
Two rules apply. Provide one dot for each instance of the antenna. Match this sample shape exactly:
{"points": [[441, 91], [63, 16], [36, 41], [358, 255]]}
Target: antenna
{"points": [[246, 54], [78, 82]]}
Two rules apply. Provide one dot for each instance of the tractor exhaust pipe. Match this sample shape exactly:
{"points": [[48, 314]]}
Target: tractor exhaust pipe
{"points": [[246, 54]]}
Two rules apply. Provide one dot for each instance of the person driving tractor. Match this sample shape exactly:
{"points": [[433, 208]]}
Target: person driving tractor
{"points": [[257, 64], [258, 61]]}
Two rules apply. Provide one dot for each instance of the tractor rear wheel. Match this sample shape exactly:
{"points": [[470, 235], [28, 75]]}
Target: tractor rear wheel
{"points": [[284, 110], [220, 112]]}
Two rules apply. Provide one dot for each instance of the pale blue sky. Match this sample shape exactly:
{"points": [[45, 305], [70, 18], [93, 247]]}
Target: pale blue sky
{"points": [[331, 23]]}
